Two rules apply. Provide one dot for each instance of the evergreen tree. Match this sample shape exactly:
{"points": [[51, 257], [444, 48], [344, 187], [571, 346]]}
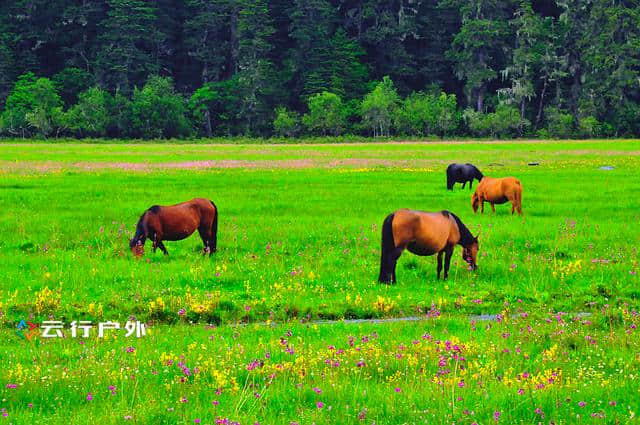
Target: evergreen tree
{"points": [[128, 37], [477, 48], [255, 68], [312, 23], [206, 38]]}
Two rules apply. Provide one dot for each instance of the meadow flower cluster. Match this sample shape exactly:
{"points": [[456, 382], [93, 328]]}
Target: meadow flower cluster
{"points": [[560, 367]]}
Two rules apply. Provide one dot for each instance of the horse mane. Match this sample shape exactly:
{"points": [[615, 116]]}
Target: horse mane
{"points": [[139, 230], [466, 238], [479, 174]]}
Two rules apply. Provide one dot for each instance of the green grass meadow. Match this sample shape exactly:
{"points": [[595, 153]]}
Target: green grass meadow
{"points": [[233, 337]]}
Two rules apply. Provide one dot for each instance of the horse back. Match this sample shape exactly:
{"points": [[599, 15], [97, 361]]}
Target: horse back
{"points": [[424, 233], [511, 186]]}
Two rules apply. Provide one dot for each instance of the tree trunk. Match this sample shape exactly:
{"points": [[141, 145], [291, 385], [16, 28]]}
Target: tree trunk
{"points": [[234, 41], [539, 115], [480, 100], [207, 123]]}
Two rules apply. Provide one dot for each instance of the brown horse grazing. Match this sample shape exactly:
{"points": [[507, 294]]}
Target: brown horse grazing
{"points": [[424, 233], [176, 222], [498, 191]]}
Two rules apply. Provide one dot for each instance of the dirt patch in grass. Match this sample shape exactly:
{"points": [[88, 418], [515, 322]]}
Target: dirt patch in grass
{"points": [[50, 166]]}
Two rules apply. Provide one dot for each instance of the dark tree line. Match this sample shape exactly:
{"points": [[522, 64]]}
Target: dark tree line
{"points": [[123, 68]]}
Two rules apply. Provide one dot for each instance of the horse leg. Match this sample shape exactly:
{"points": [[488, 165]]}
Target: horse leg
{"points": [[440, 263], [470, 184], [493, 208], [482, 205], [162, 248], [447, 260], [154, 239], [205, 235], [463, 183]]}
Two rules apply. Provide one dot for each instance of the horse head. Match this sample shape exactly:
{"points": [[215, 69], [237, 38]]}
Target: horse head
{"points": [[470, 253], [475, 202], [137, 246]]}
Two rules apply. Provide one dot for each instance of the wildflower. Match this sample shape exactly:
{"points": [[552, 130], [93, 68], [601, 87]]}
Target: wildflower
{"points": [[215, 402], [520, 391], [128, 417], [182, 312], [12, 386], [317, 390], [582, 404], [397, 389], [196, 421], [496, 416], [184, 400], [612, 403], [363, 414], [130, 349], [89, 397], [320, 405]]}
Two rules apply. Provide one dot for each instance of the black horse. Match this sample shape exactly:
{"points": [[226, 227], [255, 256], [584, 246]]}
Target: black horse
{"points": [[462, 173]]}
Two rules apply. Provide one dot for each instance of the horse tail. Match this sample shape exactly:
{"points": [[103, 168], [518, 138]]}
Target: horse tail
{"points": [[450, 179], [388, 246], [214, 228], [519, 196]]}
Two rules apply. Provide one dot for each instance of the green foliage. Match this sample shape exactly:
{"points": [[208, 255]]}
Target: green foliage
{"points": [[423, 114], [46, 115], [625, 118], [504, 122], [33, 104], [158, 112], [379, 107], [286, 123], [70, 82], [219, 104], [93, 114], [590, 127], [255, 55], [326, 114], [559, 123]]}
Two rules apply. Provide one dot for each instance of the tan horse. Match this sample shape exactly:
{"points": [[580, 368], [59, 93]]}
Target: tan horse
{"points": [[176, 222], [498, 191], [424, 233]]}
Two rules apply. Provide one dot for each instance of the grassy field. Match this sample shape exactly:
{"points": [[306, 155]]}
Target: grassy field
{"points": [[298, 241]]}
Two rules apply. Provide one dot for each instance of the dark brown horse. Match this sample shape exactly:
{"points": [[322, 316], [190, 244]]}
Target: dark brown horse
{"points": [[176, 222], [424, 233]]}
